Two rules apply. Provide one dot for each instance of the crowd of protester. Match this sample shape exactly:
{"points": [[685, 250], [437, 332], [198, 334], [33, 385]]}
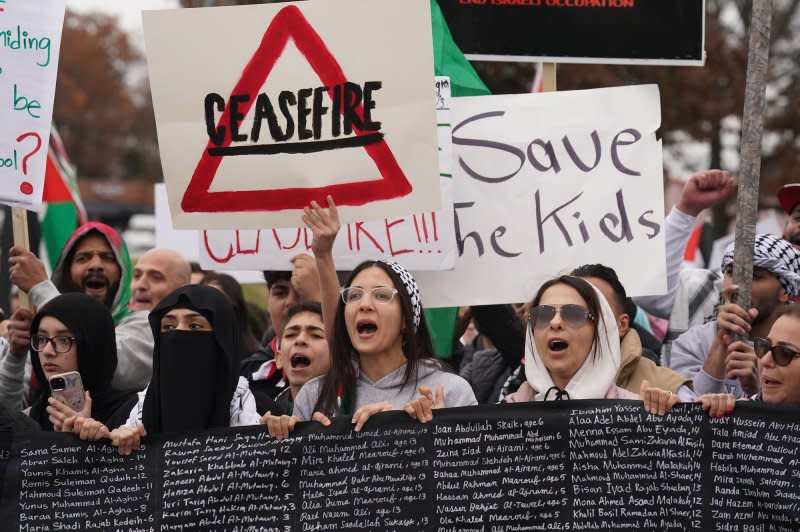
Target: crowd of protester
{"points": [[162, 346]]}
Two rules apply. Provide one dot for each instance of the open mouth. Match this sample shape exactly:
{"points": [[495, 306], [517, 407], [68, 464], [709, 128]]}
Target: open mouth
{"points": [[770, 382], [557, 345], [366, 328], [300, 361], [95, 284]]}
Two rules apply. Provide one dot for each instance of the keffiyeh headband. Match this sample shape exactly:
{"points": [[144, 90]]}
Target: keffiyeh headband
{"points": [[411, 289], [775, 254]]}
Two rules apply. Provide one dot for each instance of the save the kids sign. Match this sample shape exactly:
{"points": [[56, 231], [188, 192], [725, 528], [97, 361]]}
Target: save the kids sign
{"points": [[261, 109], [546, 182]]}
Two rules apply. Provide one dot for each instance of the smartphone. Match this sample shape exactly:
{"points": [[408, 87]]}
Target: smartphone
{"points": [[68, 388]]}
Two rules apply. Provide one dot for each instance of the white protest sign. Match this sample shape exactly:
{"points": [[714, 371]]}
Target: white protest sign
{"points": [[185, 241], [550, 181], [262, 108], [421, 241], [30, 39]]}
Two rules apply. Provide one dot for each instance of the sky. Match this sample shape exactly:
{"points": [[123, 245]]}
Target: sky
{"points": [[128, 11]]}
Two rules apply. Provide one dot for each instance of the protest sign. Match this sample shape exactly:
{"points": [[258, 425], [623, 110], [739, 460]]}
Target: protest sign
{"points": [[421, 241], [262, 108], [640, 32], [185, 241], [546, 182], [565, 465], [30, 39]]}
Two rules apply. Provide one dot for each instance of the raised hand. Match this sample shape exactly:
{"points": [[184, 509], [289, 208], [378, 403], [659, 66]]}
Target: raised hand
{"points": [[324, 224]]}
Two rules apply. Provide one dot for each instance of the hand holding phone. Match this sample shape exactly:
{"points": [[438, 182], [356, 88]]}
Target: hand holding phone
{"points": [[68, 388]]}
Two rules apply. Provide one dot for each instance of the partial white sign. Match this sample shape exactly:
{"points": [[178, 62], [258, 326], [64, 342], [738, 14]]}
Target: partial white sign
{"points": [[550, 181], [30, 39]]}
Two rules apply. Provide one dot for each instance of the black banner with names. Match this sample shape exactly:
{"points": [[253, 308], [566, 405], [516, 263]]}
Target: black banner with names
{"points": [[579, 31], [575, 465]]}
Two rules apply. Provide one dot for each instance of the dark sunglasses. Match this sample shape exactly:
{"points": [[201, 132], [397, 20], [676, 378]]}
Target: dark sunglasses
{"points": [[781, 354], [574, 316]]}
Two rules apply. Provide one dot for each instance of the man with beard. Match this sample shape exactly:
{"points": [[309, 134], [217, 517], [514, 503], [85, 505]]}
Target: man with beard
{"points": [[789, 198], [94, 261], [709, 353]]}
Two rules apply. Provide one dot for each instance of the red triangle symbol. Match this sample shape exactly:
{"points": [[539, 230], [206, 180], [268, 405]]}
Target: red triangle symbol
{"points": [[290, 22]]}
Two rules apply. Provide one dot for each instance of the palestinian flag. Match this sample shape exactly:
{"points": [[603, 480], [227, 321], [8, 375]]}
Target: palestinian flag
{"points": [[63, 210]]}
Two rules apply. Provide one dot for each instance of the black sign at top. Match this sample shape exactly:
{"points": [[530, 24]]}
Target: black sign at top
{"points": [[666, 32]]}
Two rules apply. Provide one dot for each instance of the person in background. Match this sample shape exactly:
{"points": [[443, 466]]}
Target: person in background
{"points": [[233, 291], [703, 353], [94, 261]]}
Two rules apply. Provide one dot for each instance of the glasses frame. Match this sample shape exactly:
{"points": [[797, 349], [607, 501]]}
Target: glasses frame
{"points": [[343, 294], [52, 341], [532, 324], [762, 346]]}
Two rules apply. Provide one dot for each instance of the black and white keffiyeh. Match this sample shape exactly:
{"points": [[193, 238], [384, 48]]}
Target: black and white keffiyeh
{"points": [[411, 288], [775, 254]]}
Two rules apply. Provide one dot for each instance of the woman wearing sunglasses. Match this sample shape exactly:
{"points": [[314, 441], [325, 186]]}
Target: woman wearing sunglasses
{"points": [[572, 348], [381, 351], [75, 332], [778, 367]]}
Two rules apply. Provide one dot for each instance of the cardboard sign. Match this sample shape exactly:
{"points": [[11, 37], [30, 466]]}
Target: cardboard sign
{"points": [[550, 181], [638, 32], [30, 39], [261, 109], [421, 241]]}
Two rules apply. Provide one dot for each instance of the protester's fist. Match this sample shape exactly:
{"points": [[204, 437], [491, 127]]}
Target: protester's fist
{"points": [[362, 415], [705, 189], [423, 406], [19, 327], [717, 404], [305, 279], [324, 224], [279, 427], [127, 439], [657, 401], [25, 269]]}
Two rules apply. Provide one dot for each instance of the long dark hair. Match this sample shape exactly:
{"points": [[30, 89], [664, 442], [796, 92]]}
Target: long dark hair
{"points": [[587, 293], [233, 290], [341, 378]]}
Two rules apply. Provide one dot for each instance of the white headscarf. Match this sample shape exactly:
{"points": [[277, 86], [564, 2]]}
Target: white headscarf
{"points": [[597, 374]]}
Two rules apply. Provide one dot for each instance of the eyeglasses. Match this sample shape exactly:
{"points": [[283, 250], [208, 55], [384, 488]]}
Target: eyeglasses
{"points": [[380, 294], [61, 344], [574, 316], [781, 354]]}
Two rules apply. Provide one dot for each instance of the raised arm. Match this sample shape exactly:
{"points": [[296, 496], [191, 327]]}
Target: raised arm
{"points": [[324, 224]]}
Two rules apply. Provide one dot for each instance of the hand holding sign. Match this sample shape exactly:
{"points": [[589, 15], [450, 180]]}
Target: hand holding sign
{"points": [[325, 226]]}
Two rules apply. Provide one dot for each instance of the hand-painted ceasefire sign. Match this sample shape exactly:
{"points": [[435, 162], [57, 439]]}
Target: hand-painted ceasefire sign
{"points": [[419, 241], [550, 181], [30, 37], [287, 103]]}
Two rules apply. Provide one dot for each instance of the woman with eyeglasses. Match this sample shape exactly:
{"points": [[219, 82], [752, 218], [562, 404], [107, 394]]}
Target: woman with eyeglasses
{"points": [[572, 348], [75, 332], [381, 351], [778, 367]]}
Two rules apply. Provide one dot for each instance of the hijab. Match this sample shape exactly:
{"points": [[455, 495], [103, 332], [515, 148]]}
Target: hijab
{"points": [[89, 321], [598, 372], [194, 372]]}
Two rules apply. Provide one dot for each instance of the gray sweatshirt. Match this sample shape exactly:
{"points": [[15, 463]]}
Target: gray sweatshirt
{"points": [[457, 391]]}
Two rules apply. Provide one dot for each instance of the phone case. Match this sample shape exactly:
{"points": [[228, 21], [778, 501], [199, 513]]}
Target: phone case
{"points": [[72, 394]]}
